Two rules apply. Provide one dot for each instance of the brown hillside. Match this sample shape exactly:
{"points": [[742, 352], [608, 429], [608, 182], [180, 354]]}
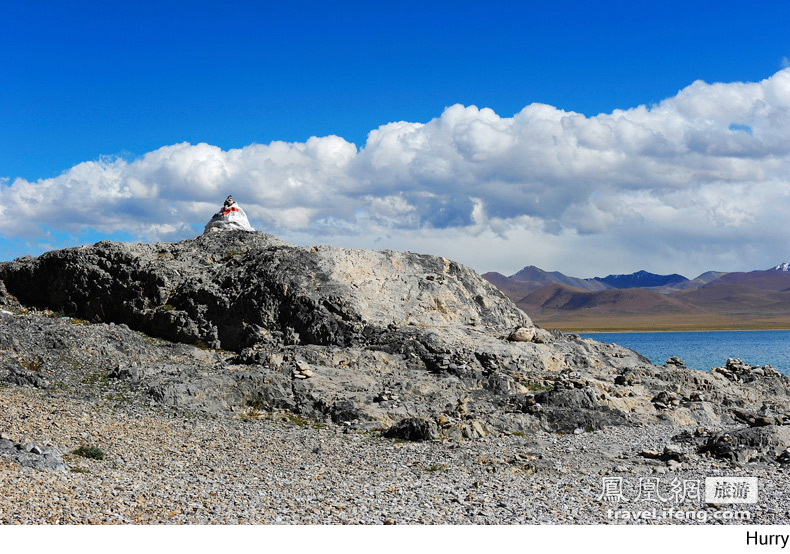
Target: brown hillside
{"points": [[739, 299], [611, 302], [512, 288], [756, 300], [763, 280]]}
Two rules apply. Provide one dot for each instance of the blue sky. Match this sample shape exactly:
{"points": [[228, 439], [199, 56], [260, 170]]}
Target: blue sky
{"points": [[97, 81]]}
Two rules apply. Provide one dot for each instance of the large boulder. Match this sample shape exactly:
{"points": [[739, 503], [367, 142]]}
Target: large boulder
{"points": [[236, 289]]}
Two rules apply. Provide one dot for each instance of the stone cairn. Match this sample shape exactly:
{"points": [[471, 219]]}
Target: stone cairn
{"points": [[230, 218]]}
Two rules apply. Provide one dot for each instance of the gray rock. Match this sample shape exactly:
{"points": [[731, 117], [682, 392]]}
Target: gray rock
{"points": [[521, 334], [4, 296], [750, 444], [13, 373], [413, 429], [566, 410], [31, 455], [236, 289], [674, 453]]}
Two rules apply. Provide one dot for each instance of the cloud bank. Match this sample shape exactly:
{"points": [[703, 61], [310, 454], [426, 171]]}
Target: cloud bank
{"points": [[698, 181]]}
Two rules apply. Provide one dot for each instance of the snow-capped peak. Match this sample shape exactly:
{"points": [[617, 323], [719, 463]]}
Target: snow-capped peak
{"points": [[783, 267]]}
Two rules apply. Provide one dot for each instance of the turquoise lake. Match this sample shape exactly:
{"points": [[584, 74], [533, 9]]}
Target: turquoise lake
{"points": [[707, 349]]}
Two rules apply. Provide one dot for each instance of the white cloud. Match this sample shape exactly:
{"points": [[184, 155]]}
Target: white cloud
{"points": [[703, 176]]}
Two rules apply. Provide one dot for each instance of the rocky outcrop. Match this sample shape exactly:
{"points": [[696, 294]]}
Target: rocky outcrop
{"points": [[33, 455], [237, 289], [416, 346], [5, 298], [738, 371], [752, 444]]}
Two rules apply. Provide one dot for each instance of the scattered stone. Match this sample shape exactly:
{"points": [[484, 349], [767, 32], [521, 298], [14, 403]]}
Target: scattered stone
{"points": [[762, 421], [665, 400], [651, 454], [478, 429], [625, 379], [674, 452], [738, 371], [521, 334]]}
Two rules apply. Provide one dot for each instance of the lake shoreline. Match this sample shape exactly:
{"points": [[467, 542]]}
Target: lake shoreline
{"points": [[704, 349], [622, 323], [681, 330]]}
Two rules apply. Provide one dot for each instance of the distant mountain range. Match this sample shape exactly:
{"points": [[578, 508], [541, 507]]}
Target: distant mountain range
{"points": [[640, 280], [644, 300]]}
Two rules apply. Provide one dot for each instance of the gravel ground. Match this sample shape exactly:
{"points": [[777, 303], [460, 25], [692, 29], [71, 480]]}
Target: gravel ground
{"points": [[165, 467]]}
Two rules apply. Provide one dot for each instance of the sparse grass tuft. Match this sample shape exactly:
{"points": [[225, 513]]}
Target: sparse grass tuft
{"points": [[31, 365], [92, 452], [98, 377], [256, 404], [230, 255], [201, 345], [534, 386], [255, 410], [300, 421], [297, 420]]}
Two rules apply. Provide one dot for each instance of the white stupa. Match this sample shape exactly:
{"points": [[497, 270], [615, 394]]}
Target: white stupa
{"points": [[230, 218]]}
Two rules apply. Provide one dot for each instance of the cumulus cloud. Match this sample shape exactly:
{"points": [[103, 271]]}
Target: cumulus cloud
{"points": [[703, 176]]}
